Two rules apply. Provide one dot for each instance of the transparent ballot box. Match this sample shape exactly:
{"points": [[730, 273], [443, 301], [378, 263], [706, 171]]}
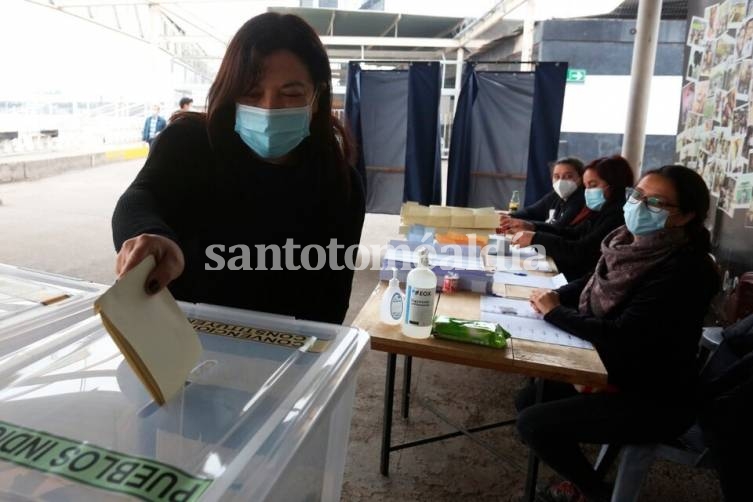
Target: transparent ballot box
{"points": [[31, 301], [255, 420]]}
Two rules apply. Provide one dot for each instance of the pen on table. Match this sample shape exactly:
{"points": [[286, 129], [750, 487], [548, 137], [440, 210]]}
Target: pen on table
{"points": [[522, 274]]}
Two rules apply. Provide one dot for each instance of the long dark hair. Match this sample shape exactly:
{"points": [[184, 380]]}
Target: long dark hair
{"points": [[616, 172], [692, 197], [329, 143]]}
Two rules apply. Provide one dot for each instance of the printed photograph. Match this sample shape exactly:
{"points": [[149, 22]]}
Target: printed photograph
{"points": [[710, 14], [740, 120], [686, 104], [746, 31], [694, 121], [716, 82], [744, 191], [697, 31], [727, 195], [737, 12], [727, 109], [744, 69], [747, 141], [718, 179], [735, 150], [722, 15], [749, 216], [724, 50], [707, 61], [694, 64]]}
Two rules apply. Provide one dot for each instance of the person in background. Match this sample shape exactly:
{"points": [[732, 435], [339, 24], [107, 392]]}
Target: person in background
{"points": [[576, 249], [184, 108], [153, 125], [185, 104], [267, 166], [643, 310], [559, 207]]}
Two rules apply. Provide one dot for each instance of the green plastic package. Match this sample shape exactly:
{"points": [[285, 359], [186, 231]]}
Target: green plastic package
{"points": [[484, 333]]}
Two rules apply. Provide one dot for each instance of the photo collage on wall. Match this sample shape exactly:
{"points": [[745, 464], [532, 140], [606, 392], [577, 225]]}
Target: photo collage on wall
{"points": [[716, 121]]}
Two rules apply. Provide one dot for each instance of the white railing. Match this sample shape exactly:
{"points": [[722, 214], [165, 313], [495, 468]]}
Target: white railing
{"points": [[81, 129]]}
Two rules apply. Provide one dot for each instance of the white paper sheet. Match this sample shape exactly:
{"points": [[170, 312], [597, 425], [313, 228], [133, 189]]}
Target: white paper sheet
{"points": [[497, 305], [535, 330], [519, 264], [531, 281]]}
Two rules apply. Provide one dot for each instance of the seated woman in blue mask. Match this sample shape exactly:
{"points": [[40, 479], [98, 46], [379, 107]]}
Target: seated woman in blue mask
{"points": [[560, 207], [230, 201], [643, 311], [575, 249]]}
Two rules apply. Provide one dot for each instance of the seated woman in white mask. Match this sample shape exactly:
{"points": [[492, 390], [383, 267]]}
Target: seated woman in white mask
{"points": [[562, 206]]}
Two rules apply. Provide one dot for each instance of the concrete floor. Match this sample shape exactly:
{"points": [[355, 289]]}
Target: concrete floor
{"points": [[62, 224]]}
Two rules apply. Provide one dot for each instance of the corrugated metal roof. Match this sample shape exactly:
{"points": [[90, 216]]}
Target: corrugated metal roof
{"points": [[362, 23]]}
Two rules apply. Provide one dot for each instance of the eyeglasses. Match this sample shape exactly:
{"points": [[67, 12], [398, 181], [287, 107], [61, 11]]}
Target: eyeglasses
{"points": [[654, 204]]}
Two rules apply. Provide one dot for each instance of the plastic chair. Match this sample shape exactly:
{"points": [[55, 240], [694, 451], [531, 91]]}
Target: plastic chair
{"points": [[636, 459]]}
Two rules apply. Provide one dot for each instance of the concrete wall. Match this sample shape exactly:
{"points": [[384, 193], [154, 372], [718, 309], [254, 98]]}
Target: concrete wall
{"points": [[31, 167], [605, 47]]}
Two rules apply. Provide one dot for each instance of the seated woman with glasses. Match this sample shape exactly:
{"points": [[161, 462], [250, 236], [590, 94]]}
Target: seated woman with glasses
{"points": [[575, 249], [562, 206], [642, 309]]}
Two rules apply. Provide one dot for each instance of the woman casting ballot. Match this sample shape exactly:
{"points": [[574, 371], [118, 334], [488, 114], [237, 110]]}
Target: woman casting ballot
{"points": [[643, 311], [267, 164]]}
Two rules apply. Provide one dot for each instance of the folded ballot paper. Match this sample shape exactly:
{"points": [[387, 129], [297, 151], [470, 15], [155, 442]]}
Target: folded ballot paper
{"points": [[151, 331]]}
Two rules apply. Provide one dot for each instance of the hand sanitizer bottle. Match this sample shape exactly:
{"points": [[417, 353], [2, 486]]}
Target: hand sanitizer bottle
{"points": [[421, 287], [391, 311]]}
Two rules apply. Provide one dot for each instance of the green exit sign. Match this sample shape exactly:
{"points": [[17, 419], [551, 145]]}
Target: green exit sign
{"points": [[576, 76]]}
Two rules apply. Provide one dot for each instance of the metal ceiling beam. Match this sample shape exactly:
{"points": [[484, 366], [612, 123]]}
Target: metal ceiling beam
{"points": [[64, 9], [383, 54], [445, 43], [492, 17]]}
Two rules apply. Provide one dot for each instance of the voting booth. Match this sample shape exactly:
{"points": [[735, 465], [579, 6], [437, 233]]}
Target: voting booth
{"points": [[264, 415], [505, 133], [393, 115]]}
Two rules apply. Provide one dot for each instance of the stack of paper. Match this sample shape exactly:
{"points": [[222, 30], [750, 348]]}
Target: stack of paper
{"points": [[536, 330], [521, 284], [444, 218], [507, 306]]}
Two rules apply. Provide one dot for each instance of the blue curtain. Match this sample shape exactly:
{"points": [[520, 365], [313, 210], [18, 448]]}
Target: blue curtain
{"points": [[548, 99], [459, 164], [353, 114], [422, 152]]}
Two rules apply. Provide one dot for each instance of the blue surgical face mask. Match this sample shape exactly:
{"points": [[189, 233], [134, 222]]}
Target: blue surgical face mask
{"points": [[272, 133], [640, 221], [595, 198]]}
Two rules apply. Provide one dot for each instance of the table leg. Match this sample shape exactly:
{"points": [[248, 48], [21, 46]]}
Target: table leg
{"points": [[406, 385], [389, 392], [533, 460]]}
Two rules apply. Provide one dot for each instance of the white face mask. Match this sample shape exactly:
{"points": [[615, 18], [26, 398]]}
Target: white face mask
{"points": [[565, 188]]}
